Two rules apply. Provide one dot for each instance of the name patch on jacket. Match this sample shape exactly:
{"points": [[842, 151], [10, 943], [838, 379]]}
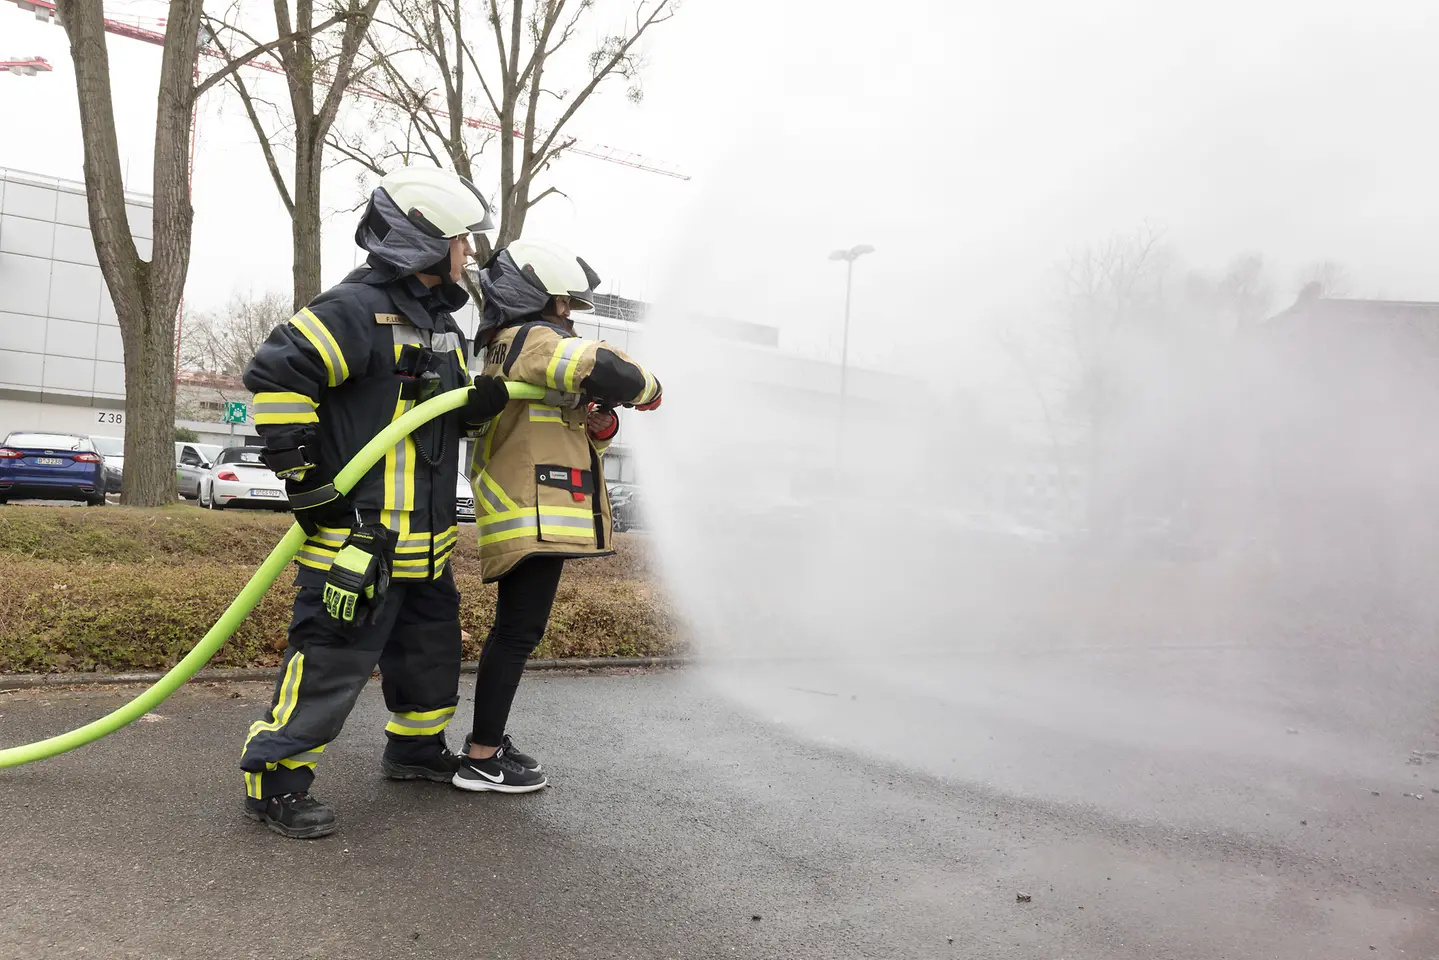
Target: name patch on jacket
{"points": [[391, 318]]}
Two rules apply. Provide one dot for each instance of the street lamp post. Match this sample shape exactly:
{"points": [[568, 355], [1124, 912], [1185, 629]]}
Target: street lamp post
{"points": [[849, 257]]}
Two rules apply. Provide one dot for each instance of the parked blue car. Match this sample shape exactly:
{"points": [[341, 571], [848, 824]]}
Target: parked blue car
{"points": [[51, 466]]}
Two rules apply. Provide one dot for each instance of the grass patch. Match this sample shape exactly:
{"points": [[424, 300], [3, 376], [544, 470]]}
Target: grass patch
{"points": [[120, 588]]}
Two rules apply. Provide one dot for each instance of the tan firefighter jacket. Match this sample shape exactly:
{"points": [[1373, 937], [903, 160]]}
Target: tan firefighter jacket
{"points": [[539, 487]]}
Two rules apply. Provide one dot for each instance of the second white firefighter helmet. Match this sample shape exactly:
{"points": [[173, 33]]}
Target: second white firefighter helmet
{"points": [[556, 271]]}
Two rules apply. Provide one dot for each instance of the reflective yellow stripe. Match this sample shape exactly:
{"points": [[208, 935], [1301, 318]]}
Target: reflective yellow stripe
{"points": [[284, 408], [420, 723], [262, 419], [508, 526], [487, 483], [651, 388], [543, 413], [279, 715], [325, 344], [400, 468], [306, 759], [574, 367], [439, 714], [563, 363], [566, 511]]}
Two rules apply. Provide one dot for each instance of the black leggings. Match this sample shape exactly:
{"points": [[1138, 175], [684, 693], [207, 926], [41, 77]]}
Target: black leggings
{"points": [[526, 595]]}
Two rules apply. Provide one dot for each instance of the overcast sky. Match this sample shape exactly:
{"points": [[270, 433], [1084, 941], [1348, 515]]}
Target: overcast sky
{"points": [[972, 144]]}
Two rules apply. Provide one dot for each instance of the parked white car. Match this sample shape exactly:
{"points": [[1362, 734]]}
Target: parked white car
{"points": [[464, 499], [238, 478]]}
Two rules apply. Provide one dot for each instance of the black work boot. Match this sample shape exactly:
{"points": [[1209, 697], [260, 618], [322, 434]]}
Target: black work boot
{"points": [[438, 764], [296, 815]]}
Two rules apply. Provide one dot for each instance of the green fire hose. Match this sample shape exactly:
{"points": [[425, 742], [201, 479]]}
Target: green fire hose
{"points": [[273, 566]]}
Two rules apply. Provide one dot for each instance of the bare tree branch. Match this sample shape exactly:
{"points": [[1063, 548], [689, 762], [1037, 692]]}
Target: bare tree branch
{"points": [[545, 193], [237, 62]]}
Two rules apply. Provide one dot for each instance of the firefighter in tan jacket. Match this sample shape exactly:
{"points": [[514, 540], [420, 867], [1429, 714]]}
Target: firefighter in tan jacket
{"points": [[540, 495]]}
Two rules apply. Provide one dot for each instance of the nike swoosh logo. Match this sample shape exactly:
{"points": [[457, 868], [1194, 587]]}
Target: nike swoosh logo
{"points": [[499, 779]]}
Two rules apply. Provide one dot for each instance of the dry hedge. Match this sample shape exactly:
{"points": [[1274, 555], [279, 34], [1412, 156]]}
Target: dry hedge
{"points": [[130, 589]]}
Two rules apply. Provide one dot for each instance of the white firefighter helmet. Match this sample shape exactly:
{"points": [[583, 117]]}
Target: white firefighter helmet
{"points": [[440, 202], [556, 270]]}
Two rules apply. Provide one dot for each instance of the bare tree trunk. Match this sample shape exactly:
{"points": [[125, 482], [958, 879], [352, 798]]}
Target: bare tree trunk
{"points": [[146, 295], [305, 225]]}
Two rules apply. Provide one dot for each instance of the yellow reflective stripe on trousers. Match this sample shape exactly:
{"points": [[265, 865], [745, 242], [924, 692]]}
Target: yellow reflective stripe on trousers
{"points": [[277, 407], [306, 759], [324, 343], [279, 714], [560, 374], [421, 723]]}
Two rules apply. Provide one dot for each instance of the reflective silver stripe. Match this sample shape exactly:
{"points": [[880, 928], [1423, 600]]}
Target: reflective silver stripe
{"points": [[324, 559], [543, 414], [328, 537], [567, 357], [405, 333], [515, 523], [444, 342], [318, 331], [309, 756], [400, 720], [491, 497], [402, 463], [552, 520], [558, 398], [446, 539], [262, 406]]}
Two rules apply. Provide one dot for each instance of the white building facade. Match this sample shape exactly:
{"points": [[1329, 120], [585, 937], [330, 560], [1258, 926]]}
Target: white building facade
{"points": [[61, 360]]}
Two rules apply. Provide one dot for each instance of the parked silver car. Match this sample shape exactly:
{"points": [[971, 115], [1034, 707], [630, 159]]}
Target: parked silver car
{"points": [[191, 460]]}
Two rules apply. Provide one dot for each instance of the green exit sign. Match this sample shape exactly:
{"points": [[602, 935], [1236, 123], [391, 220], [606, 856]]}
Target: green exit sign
{"points": [[236, 412]]}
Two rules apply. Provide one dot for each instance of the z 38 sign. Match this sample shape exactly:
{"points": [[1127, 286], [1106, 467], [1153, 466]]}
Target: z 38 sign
{"points": [[110, 416]]}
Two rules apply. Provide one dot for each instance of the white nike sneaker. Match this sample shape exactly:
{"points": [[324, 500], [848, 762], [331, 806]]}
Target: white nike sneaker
{"points": [[500, 774]]}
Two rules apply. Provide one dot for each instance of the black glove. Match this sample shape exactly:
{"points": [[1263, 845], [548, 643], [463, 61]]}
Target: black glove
{"points": [[318, 505], [360, 575], [488, 397]]}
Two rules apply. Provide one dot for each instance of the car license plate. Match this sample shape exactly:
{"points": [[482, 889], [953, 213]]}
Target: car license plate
{"points": [[273, 494], [49, 461]]}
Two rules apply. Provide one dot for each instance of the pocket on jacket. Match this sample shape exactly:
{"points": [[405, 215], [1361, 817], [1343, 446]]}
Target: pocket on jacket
{"points": [[565, 504]]}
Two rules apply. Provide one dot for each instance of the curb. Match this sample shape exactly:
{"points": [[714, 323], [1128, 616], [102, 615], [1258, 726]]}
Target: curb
{"points": [[30, 681]]}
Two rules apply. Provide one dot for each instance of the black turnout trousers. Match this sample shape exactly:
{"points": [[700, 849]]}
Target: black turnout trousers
{"points": [[415, 641]]}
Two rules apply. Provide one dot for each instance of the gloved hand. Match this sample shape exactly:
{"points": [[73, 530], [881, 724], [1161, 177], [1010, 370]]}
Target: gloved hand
{"points": [[360, 575], [602, 423], [488, 397], [317, 506]]}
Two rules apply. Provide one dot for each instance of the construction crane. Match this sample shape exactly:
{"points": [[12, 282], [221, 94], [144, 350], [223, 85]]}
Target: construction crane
{"points": [[27, 67], [45, 10]]}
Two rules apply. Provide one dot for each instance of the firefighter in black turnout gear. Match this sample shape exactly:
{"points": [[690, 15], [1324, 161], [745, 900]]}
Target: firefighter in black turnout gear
{"points": [[374, 575]]}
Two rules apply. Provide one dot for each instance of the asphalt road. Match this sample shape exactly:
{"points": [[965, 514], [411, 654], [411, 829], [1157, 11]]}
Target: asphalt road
{"points": [[1151, 805]]}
